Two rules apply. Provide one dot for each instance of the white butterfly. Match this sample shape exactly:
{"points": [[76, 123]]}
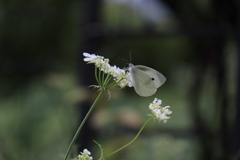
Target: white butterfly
{"points": [[145, 80]]}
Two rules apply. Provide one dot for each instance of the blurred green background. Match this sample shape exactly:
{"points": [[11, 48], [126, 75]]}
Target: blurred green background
{"points": [[44, 80]]}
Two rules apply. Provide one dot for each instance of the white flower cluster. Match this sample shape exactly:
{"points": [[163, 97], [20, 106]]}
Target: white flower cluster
{"points": [[120, 75], [159, 112], [85, 155]]}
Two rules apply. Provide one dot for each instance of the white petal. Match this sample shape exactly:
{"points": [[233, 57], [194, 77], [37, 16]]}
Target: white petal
{"points": [[86, 54], [87, 59]]}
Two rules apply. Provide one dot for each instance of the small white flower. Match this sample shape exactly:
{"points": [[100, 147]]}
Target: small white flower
{"points": [[159, 112], [129, 80], [114, 71], [89, 57], [105, 66], [155, 104], [123, 83], [85, 155]]}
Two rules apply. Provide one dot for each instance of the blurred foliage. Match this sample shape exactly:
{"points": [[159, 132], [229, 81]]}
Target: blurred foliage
{"points": [[34, 121], [35, 37]]}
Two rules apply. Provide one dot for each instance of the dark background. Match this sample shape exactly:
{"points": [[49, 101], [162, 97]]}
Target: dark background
{"points": [[44, 80]]}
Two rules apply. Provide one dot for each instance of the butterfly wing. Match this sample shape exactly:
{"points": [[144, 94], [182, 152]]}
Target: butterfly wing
{"points": [[157, 78], [142, 83], [146, 80]]}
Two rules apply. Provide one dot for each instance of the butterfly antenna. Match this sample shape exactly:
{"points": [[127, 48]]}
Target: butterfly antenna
{"points": [[124, 59], [125, 68]]}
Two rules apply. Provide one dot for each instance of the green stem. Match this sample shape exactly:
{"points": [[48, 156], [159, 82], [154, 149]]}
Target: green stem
{"points": [[139, 132], [103, 77], [99, 77], [108, 78], [96, 71], [82, 124], [114, 84]]}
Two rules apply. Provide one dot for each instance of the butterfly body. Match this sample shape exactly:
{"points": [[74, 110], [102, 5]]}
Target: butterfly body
{"points": [[145, 80]]}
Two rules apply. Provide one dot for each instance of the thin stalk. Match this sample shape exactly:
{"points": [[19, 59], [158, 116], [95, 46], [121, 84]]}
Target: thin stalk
{"points": [[139, 132], [108, 78], [82, 124], [96, 69], [99, 77], [103, 77], [114, 84]]}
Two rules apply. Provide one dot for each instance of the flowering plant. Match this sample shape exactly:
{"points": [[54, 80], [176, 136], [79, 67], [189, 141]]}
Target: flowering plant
{"points": [[104, 73]]}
